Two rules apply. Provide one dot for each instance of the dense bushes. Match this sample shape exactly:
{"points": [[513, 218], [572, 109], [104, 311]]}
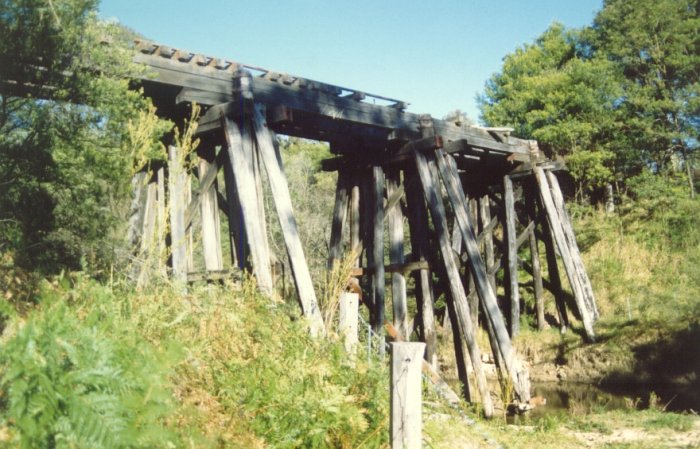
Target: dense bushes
{"points": [[92, 367]]}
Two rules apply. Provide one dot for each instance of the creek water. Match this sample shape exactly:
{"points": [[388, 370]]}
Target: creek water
{"points": [[578, 398]]}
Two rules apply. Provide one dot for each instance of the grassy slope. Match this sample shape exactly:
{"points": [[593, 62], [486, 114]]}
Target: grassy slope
{"points": [[224, 367]]}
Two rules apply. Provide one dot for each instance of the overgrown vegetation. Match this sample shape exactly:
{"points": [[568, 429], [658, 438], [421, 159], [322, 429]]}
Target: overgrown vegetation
{"points": [[103, 366], [88, 362]]}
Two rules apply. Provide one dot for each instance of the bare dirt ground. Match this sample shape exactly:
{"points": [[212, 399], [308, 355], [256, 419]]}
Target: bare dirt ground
{"points": [[642, 438]]}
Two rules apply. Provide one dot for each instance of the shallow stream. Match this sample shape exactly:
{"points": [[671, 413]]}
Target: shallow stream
{"points": [[580, 399]]}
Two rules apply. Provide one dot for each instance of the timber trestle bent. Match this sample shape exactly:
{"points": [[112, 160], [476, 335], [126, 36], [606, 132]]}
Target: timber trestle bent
{"points": [[469, 197]]}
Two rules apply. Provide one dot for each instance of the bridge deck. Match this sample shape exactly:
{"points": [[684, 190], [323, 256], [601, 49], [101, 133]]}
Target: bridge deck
{"points": [[358, 125]]}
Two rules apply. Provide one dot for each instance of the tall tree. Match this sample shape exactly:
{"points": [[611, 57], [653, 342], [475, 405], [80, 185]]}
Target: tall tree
{"points": [[64, 158], [552, 92], [656, 45]]}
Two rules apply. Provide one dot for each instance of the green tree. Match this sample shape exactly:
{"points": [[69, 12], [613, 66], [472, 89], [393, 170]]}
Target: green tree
{"points": [[65, 164], [550, 92], [613, 98], [656, 45]]}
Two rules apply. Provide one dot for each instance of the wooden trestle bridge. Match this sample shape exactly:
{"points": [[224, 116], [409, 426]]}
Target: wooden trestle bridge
{"points": [[501, 193]]}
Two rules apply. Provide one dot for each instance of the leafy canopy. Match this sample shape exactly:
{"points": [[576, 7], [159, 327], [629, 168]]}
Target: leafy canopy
{"points": [[65, 155]]}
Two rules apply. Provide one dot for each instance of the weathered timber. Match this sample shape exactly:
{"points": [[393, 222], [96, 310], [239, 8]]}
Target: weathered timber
{"points": [[473, 296], [458, 295], [147, 252], [420, 249], [403, 268], [340, 209], [378, 283], [511, 255], [512, 365], [461, 357], [205, 183], [348, 316], [573, 245], [260, 195], [162, 225], [283, 204], [556, 228], [211, 233], [396, 256], [487, 236], [212, 276], [242, 167], [442, 388], [210, 87], [176, 189], [537, 280], [136, 215], [189, 232], [354, 211], [535, 258], [406, 391], [554, 284], [418, 228], [234, 214]]}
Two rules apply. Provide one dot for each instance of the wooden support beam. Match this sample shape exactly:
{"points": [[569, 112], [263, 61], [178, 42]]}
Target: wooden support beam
{"points": [[211, 232], [458, 295], [461, 353], [378, 285], [396, 256], [147, 252], [176, 189], [531, 212], [487, 236], [552, 267], [473, 296], [235, 215], [354, 211], [573, 245], [206, 181], [556, 228], [283, 204], [418, 228], [161, 222], [515, 370], [511, 255], [136, 215], [211, 276], [340, 209], [244, 178], [260, 196], [403, 268]]}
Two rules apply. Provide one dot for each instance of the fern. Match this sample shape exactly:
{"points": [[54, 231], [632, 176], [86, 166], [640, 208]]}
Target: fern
{"points": [[77, 384]]}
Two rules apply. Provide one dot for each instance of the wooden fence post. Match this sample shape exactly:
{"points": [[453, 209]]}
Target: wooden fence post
{"points": [[348, 320], [406, 395]]}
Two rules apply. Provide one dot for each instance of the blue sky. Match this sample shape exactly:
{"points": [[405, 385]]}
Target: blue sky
{"points": [[434, 54]]}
